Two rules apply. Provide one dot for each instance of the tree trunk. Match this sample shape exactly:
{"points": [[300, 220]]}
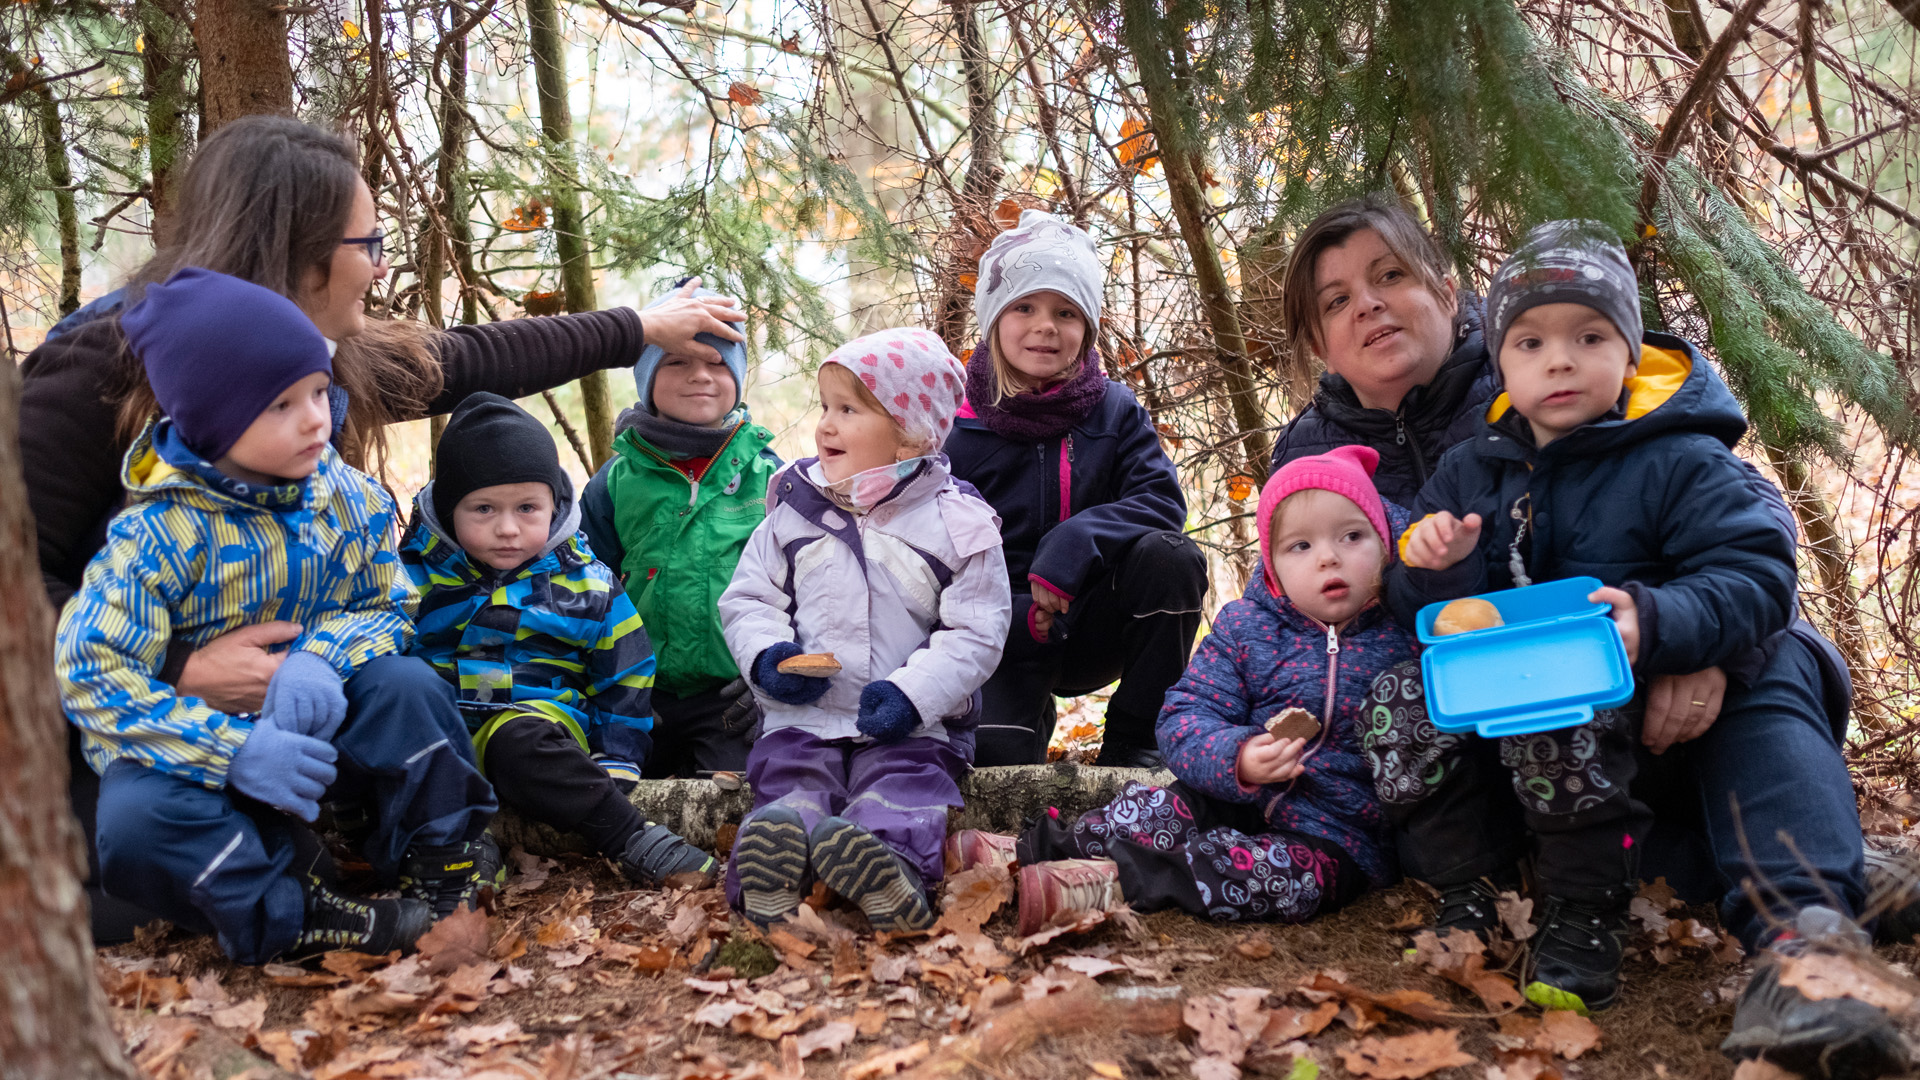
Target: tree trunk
{"points": [[1908, 10], [549, 47], [1153, 40], [54, 1024], [163, 67], [244, 66], [998, 799], [60, 173], [973, 218]]}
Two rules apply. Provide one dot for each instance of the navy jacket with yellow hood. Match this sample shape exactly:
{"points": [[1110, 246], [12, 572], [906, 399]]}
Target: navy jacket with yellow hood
{"points": [[1648, 498]]}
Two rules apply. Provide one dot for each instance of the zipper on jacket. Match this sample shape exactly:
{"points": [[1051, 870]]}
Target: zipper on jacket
{"points": [[1333, 673], [1066, 477], [1413, 449]]}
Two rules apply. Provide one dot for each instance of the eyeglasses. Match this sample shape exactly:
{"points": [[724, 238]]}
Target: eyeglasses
{"points": [[376, 245]]}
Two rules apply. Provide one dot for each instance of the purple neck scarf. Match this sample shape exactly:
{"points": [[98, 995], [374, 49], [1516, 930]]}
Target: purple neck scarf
{"points": [[1034, 415]]}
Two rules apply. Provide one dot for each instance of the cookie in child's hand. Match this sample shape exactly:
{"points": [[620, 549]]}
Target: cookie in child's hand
{"points": [[1461, 616], [812, 665], [1293, 723]]}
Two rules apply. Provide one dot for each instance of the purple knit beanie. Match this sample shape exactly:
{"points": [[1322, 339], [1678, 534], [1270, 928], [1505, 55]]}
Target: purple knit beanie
{"points": [[218, 351]]}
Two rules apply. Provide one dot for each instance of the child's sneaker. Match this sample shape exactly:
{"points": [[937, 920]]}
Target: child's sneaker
{"points": [[446, 876], [338, 921], [1574, 960], [1831, 1037], [770, 855], [970, 848], [862, 868], [1049, 888], [656, 856]]}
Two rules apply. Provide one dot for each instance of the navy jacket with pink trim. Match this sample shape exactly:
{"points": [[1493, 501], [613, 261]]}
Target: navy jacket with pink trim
{"points": [[1069, 506]]}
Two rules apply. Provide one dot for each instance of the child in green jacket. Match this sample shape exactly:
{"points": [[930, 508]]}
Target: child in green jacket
{"points": [[671, 513]]}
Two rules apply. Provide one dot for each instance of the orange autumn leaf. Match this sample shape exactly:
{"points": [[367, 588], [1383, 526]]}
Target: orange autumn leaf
{"points": [[1240, 487], [1406, 1057], [1007, 214], [790, 44], [743, 94], [541, 303], [526, 218], [1137, 148], [969, 280]]}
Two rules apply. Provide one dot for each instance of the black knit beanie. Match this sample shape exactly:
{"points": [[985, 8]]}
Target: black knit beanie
{"points": [[490, 440]]}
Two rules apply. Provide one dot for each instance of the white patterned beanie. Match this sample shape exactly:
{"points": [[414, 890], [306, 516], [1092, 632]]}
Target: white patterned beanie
{"points": [[914, 377], [1043, 252]]}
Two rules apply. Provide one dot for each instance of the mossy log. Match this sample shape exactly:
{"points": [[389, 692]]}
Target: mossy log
{"points": [[997, 799]]}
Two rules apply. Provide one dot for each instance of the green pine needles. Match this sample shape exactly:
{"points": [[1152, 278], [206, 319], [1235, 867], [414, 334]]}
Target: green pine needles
{"points": [[1462, 109]]}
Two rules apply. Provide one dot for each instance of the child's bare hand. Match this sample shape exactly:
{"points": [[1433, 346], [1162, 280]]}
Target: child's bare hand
{"points": [[1442, 540], [1046, 605], [1625, 615], [1267, 760]]}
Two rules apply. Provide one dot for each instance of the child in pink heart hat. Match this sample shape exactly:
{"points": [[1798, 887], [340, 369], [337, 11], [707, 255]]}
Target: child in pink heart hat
{"points": [[871, 552]]}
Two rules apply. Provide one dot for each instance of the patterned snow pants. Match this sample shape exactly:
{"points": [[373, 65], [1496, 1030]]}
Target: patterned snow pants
{"points": [[1179, 848], [1465, 807]]}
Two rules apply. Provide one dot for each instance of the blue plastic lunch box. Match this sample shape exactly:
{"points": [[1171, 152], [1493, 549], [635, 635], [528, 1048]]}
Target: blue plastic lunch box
{"points": [[1558, 658]]}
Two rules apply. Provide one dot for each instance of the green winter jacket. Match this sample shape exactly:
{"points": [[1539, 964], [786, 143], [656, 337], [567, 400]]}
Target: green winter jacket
{"points": [[676, 542]]}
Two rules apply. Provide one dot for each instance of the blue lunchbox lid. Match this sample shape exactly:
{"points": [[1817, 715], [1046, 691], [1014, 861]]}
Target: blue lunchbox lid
{"points": [[1557, 658]]}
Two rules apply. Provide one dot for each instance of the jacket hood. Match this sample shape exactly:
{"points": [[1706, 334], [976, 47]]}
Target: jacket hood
{"points": [[1432, 405], [1674, 389], [434, 543], [147, 475]]}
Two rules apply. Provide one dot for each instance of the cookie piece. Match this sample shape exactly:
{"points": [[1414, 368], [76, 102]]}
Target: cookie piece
{"points": [[1465, 615], [812, 665], [1293, 723]]}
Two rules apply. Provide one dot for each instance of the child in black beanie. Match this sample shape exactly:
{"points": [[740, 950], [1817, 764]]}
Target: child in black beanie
{"points": [[553, 670]]}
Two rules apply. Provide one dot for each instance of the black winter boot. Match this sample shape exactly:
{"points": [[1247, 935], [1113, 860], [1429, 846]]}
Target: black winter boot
{"points": [[338, 921], [1469, 906], [1835, 1039], [448, 875], [1574, 960]]}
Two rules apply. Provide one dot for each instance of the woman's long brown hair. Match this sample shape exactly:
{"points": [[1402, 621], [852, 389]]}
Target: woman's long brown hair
{"points": [[266, 199]]}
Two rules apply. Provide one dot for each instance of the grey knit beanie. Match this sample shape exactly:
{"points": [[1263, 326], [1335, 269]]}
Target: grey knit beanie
{"points": [[1566, 262], [1042, 252]]}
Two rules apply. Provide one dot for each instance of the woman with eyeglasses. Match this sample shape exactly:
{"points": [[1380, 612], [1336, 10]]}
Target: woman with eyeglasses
{"points": [[281, 203]]}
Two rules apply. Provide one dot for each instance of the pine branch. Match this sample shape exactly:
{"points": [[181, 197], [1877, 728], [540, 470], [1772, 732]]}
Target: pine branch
{"points": [[1712, 66]]}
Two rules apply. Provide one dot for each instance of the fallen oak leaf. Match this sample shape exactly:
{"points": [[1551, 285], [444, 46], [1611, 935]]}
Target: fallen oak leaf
{"points": [[1288, 1024], [1461, 958], [1516, 915], [1523, 1065], [888, 1062], [1091, 966], [1822, 975], [720, 1014], [454, 942], [1415, 1003], [1566, 1033], [482, 1037], [246, 1016], [289, 975], [830, 1038], [1405, 1057], [971, 897]]}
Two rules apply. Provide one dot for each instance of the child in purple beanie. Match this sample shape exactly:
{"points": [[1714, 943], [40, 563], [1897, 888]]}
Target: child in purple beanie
{"points": [[241, 512]]}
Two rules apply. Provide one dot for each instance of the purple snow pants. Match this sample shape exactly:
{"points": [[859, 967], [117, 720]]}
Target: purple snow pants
{"points": [[900, 792]]}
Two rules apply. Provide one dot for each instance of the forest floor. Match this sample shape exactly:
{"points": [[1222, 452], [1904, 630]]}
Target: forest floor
{"points": [[578, 976]]}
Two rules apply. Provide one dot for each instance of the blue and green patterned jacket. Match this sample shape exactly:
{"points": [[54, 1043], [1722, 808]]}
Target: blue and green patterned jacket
{"points": [[557, 636], [196, 554]]}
